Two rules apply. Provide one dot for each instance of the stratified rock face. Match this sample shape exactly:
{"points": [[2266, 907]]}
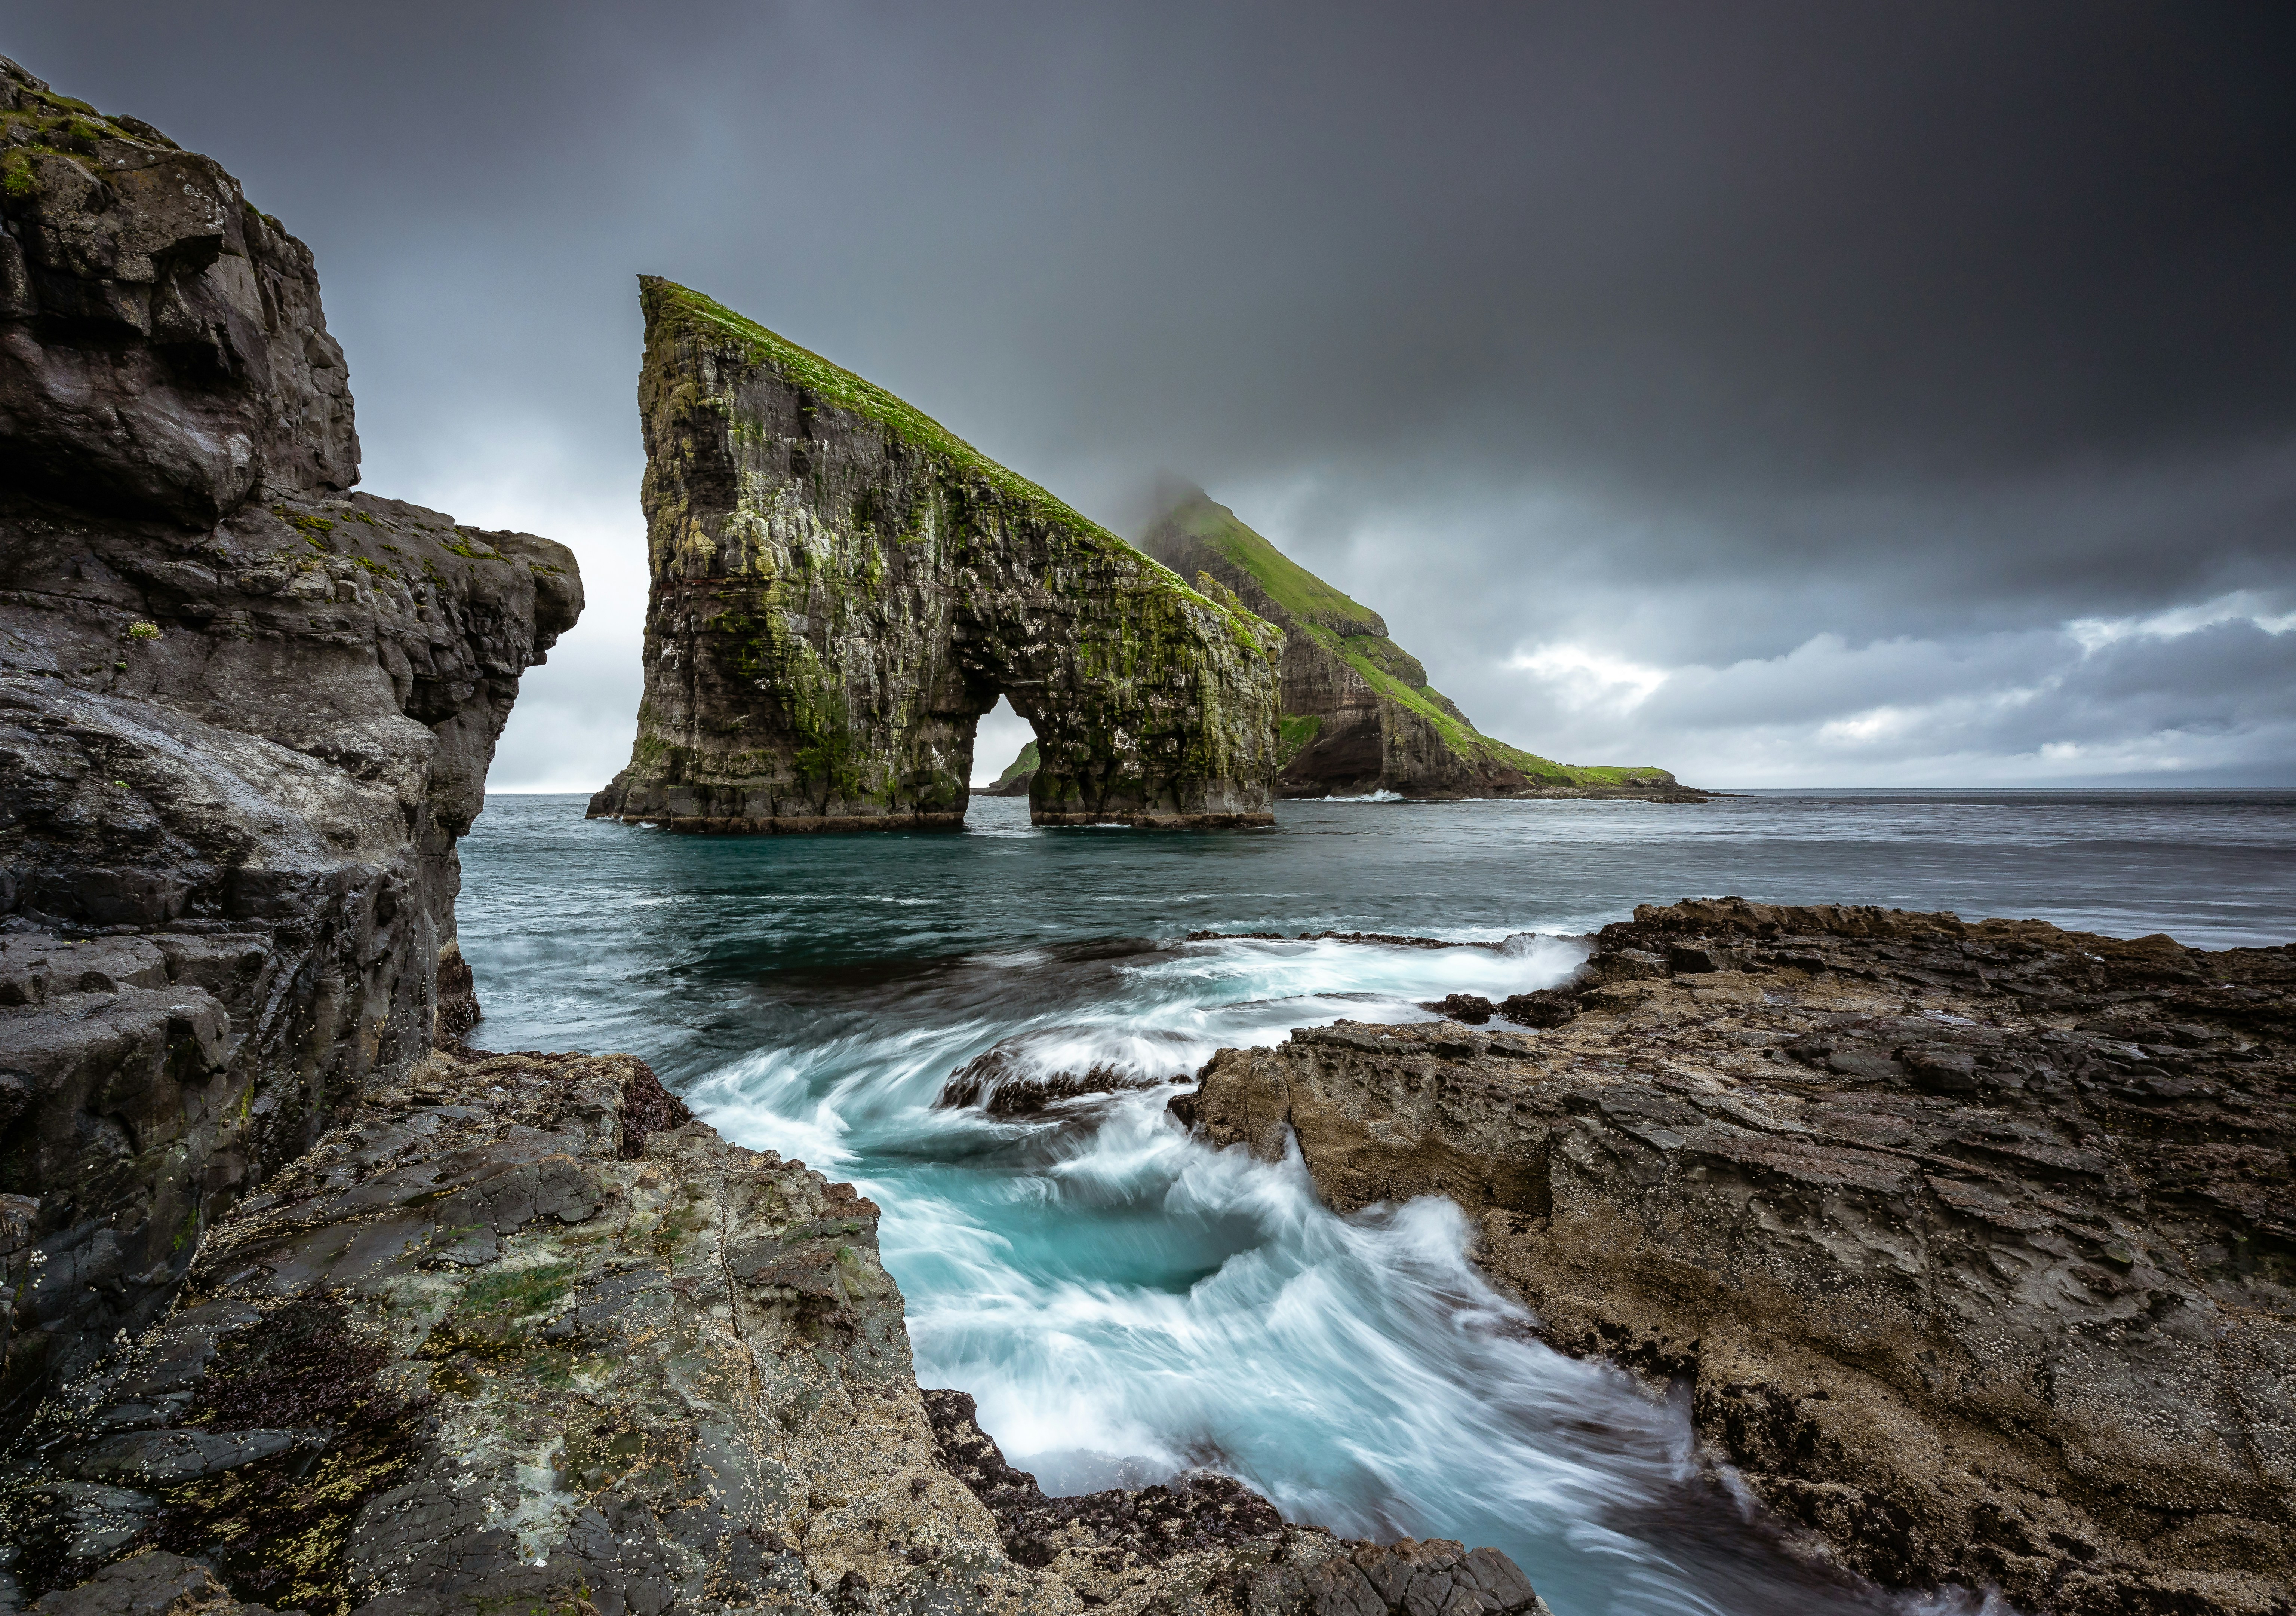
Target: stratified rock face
{"points": [[523, 1336], [162, 348], [1357, 713], [1975, 1241], [842, 588], [234, 757]]}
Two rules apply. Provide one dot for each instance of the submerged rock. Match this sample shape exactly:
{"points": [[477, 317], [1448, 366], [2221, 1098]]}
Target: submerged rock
{"points": [[1974, 1241], [842, 588], [1005, 1082], [243, 717]]}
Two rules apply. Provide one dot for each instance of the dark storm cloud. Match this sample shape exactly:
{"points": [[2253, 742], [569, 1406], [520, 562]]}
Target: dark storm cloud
{"points": [[1680, 336]]}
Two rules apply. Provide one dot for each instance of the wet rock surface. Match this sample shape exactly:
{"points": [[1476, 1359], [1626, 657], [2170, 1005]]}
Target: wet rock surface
{"points": [[1005, 1081], [1974, 1241], [1206, 1536], [486, 1347], [842, 588], [243, 717]]}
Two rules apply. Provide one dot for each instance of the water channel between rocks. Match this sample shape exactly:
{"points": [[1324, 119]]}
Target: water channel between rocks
{"points": [[1125, 1303]]}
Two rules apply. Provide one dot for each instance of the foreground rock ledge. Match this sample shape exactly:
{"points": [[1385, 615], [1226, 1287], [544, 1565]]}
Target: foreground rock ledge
{"points": [[523, 1336], [1975, 1243]]}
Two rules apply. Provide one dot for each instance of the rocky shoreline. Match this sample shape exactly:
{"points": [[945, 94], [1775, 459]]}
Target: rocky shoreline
{"points": [[521, 1334], [309, 1306], [1972, 1243]]}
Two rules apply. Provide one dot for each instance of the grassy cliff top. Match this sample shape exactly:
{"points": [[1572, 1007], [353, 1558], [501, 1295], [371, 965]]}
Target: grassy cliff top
{"points": [[1024, 762], [1358, 635], [1288, 585], [671, 306]]}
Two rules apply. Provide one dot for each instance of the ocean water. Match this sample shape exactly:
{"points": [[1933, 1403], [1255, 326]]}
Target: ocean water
{"points": [[1125, 1304]]}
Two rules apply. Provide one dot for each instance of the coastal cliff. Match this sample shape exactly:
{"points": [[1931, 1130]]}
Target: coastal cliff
{"points": [[842, 588], [1357, 713], [244, 715], [1973, 1243], [332, 1313]]}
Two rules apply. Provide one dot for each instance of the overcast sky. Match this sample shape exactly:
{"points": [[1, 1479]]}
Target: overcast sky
{"points": [[1832, 394]]}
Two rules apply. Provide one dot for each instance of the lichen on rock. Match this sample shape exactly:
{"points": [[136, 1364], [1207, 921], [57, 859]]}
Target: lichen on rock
{"points": [[841, 587]]}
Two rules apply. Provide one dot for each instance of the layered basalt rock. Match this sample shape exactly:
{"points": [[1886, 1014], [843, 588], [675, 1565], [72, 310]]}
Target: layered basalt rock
{"points": [[842, 588], [1975, 1243], [1357, 713], [522, 1335], [243, 717]]}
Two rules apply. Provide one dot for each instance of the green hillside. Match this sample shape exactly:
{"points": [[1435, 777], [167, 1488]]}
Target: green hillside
{"points": [[1023, 763], [1353, 632]]}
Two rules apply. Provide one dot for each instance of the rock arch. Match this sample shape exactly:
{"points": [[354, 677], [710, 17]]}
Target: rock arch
{"points": [[840, 588]]}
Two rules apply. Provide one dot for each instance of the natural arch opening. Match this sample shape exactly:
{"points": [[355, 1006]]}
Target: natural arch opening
{"points": [[1000, 740]]}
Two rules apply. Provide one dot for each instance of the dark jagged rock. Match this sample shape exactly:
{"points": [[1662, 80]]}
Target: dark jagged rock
{"points": [[243, 718], [1110, 1544], [1004, 1083], [1546, 1007], [1471, 1008], [162, 348], [1356, 711], [154, 1583], [842, 588], [1976, 1242], [1391, 938], [1200, 1511]]}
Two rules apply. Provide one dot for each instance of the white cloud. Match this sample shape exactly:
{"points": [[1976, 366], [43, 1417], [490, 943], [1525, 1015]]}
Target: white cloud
{"points": [[1582, 679], [2242, 605]]}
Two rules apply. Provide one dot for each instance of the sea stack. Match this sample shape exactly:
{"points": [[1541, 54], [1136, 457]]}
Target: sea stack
{"points": [[841, 587], [1357, 712]]}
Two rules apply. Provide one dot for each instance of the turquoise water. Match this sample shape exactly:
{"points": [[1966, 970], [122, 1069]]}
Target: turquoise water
{"points": [[1125, 1304]]}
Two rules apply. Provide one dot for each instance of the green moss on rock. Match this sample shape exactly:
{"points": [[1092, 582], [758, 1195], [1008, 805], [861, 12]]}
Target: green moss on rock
{"points": [[1357, 712], [841, 587]]}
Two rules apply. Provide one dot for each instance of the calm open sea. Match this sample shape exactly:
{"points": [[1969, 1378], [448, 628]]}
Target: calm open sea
{"points": [[1125, 1304]]}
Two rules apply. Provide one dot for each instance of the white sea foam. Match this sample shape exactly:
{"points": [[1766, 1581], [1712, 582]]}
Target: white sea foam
{"points": [[1125, 1303]]}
